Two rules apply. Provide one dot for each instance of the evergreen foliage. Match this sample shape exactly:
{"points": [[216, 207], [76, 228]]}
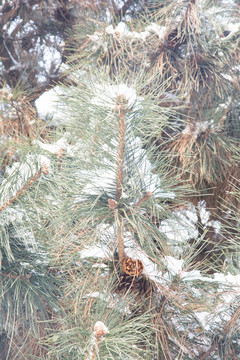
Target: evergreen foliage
{"points": [[120, 218]]}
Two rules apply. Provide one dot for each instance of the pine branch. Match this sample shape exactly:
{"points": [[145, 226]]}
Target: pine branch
{"points": [[120, 241], [97, 343], [44, 170], [121, 124], [120, 107]]}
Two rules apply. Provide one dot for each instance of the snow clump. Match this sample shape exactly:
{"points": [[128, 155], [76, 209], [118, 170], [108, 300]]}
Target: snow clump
{"points": [[106, 95]]}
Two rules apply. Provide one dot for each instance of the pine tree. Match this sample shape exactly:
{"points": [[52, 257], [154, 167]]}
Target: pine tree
{"points": [[196, 60], [119, 229]]}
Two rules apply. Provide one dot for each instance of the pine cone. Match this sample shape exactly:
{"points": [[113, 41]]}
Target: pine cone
{"points": [[132, 267]]}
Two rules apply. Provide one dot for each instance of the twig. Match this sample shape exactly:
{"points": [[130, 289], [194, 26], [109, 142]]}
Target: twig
{"points": [[14, 276], [121, 109], [98, 338], [120, 151], [144, 198], [120, 241], [114, 6], [44, 170]]}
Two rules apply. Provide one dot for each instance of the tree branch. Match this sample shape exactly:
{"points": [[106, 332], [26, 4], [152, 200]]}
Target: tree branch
{"points": [[120, 107], [44, 170], [121, 12]]}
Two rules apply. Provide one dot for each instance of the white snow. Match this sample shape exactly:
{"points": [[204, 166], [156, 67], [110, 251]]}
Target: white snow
{"points": [[233, 28], [176, 268], [173, 265], [100, 329], [97, 251], [228, 77], [195, 128], [204, 317], [106, 95], [178, 230], [112, 301], [159, 30], [102, 180], [10, 27], [122, 30], [11, 215], [228, 279], [52, 148], [47, 105], [56, 148], [184, 227], [96, 36]]}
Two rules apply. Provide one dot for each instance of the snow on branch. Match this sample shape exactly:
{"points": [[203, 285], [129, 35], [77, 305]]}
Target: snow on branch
{"points": [[20, 174], [106, 95]]}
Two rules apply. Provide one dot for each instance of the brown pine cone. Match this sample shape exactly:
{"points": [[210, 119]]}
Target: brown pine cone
{"points": [[132, 267]]}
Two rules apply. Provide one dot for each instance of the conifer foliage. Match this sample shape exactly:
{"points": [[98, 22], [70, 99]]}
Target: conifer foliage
{"points": [[120, 216]]}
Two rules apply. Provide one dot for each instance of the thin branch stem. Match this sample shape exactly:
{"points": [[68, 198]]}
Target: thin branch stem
{"points": [[14, 276], [144, 198], [25, 187], [121, 124], [97, 343], [120, 241], [114, 6], [120, 152]]}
